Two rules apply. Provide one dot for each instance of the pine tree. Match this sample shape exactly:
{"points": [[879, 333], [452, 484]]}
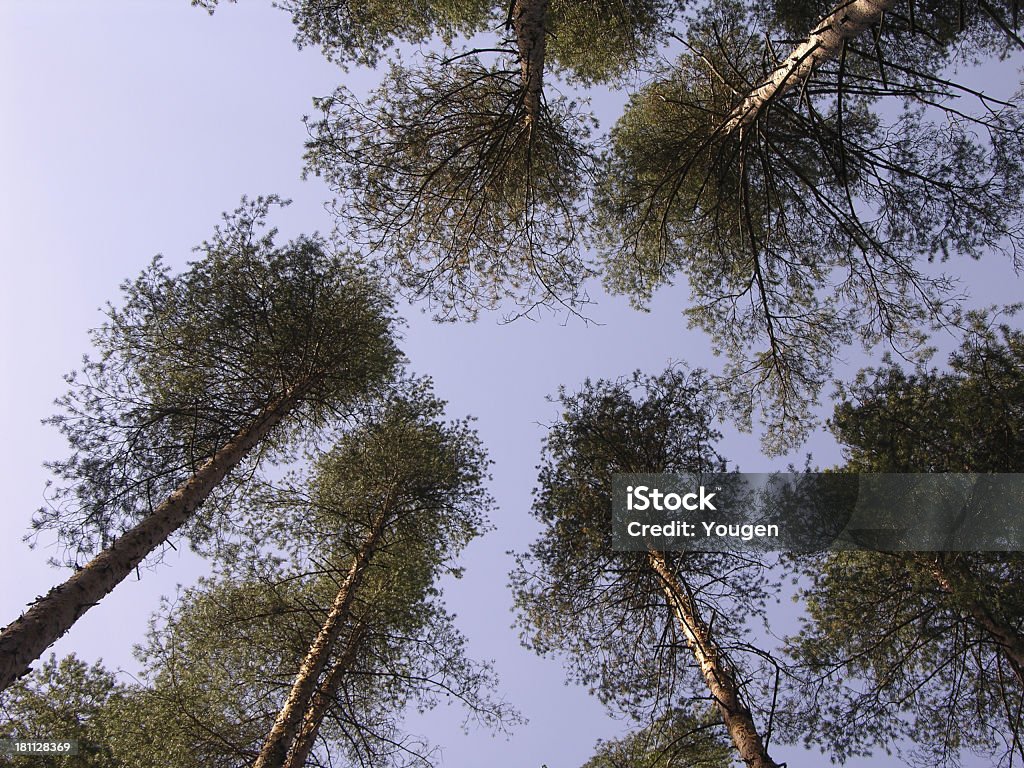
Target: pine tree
{"points": [[248, 351], [641, 628], [801, 215], [937, 637], [404, 493]]}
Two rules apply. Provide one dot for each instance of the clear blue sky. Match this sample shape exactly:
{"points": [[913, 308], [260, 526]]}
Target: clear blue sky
{"points": [[126, 128]]}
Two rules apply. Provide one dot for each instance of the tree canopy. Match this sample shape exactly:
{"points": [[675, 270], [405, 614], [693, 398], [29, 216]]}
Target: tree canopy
{"points": [[799, 191], [66, 697], [375, 524], [645, 631], [471, 196], [251, 350], [807, 171], [680, 739], [185, 362], [402, 495], [927, 646], [807, 228]]}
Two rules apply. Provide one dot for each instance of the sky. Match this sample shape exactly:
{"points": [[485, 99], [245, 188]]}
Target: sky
{"points": [[126, 128]]}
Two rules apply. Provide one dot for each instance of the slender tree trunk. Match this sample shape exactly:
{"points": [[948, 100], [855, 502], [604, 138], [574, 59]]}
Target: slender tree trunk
{"points": [[25, 639], [849, 19], [289, 719], [717, 672], [527, 18], [305, 739], [956, 580]]}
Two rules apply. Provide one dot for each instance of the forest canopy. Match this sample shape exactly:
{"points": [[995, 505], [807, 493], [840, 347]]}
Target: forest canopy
{"points": [[805, 184]]}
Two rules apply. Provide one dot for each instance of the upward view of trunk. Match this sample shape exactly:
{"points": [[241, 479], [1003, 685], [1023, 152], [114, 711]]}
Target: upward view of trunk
{"points": [[313, 718], [955, 580], [289, 719], [527, 17], [24, 640], [718, 673], [849, 19]]}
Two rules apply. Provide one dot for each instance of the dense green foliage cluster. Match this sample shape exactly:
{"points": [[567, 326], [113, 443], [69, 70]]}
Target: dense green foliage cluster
{"points": [[675, 739], [186, 362], [469, 203], [927, 647], [67, 697], [606, 610]]}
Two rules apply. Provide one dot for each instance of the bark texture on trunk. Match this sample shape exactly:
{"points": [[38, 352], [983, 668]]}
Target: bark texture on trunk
{"points": [[849, 19], [305, 739], [956, 580], [286, 726], [527, 19], [24, 640], [718, 673]]}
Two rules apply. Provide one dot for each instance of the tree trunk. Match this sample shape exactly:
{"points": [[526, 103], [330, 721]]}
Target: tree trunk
{"points": [[25, 639], [849, 19], [956, 580], [527, 18], [314, 716], [289, 719], [718, 672]]}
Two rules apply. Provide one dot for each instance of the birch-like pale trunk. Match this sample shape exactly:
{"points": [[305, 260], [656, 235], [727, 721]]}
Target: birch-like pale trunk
{"points": [[718, 674], [24, 640], [313, 718], [527, 17], [849, 19], [955, 581], [287, 724]]}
